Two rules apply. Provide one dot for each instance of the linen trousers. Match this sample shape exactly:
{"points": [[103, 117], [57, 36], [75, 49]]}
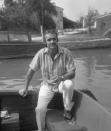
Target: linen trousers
{"points": [[45, 96]]}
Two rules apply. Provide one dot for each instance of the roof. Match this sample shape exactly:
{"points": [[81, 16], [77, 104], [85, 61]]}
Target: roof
{"points": [[102, 16], [60, 8]]}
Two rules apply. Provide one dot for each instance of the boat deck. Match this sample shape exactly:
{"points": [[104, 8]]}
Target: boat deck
{"points": [[22, 112]]}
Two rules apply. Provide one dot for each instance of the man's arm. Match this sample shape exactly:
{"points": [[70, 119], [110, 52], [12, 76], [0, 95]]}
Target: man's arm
{"points": [[29, 76], [28, 79], [70, 66], [68, 76]]}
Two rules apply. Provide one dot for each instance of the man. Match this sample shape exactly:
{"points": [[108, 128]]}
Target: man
{"points": [[58, 70]]}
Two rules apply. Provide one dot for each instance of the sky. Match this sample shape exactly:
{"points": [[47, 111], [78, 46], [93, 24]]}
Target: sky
{"points": [[74, 9]]}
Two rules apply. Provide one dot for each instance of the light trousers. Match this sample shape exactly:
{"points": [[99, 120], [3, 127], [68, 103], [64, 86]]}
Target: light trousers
{"points": [[45, 96]]}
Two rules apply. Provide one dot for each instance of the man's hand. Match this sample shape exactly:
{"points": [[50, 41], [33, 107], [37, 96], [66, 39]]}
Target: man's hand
{"points": [[55, 80], [23, 92]]}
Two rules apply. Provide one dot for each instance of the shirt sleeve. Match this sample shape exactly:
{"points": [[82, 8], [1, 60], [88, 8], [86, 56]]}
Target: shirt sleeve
{"points": [[35, 63], [70, 65]]}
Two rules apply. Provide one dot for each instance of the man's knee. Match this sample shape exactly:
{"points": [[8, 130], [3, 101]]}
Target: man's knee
{"points": [[40, 109], [68, 84]]}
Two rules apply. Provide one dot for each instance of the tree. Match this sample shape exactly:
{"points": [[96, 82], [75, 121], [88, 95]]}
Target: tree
{"points": [[90, 18], [41, 8], [16, 16], [30, 11], [80, 21], [48, 22]]}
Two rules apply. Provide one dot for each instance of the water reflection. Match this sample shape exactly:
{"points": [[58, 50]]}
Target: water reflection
{"points": [[93, 71]]}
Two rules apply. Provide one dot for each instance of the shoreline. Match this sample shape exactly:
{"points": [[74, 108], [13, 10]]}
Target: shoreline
{"points": [[25, 50], [87, 44]]}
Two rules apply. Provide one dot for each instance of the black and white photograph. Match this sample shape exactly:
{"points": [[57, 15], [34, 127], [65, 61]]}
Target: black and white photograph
{"points": [[55, 65]]}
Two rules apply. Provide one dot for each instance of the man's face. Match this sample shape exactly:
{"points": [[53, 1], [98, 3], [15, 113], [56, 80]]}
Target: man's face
{"points": [[52, 42]]}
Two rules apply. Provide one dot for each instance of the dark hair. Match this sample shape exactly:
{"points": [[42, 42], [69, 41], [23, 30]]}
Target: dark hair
{"points": [[52, 31]]}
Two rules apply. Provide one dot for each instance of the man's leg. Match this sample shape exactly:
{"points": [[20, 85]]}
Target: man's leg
{"points": [[67, 88], [44, 97]]}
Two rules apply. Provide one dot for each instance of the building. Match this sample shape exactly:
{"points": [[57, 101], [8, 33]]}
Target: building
{"points": [[2, 5], [103, 23], [58, 19]]}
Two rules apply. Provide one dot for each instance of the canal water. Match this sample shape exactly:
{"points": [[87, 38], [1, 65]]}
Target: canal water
{"points": [[93, 71]]}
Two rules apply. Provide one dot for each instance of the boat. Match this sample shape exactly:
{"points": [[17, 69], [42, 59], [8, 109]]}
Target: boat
{"points": [[89, 113], [18, 44]]}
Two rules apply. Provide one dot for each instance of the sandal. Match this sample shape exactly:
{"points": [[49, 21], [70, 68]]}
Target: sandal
{"points": [[68, 114]]}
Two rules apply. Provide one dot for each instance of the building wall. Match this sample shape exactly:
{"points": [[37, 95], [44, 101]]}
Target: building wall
{"points": [[2, 5], [103, 24], [58, 19]]}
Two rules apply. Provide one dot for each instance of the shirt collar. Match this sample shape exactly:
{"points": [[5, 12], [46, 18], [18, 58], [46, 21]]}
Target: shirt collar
{"points": [[60, 51]]}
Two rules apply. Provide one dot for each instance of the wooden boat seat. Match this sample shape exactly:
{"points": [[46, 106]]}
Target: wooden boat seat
{"points": [[10, 124]]}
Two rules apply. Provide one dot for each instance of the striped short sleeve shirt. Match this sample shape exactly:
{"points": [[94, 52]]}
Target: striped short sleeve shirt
{"points": [[62, 63]]}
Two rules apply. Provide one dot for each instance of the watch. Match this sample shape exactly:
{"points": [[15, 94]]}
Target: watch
{"points": [[62, 78]]}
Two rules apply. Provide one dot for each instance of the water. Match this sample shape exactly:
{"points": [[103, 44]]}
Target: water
{"points": [[93, 71]]}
